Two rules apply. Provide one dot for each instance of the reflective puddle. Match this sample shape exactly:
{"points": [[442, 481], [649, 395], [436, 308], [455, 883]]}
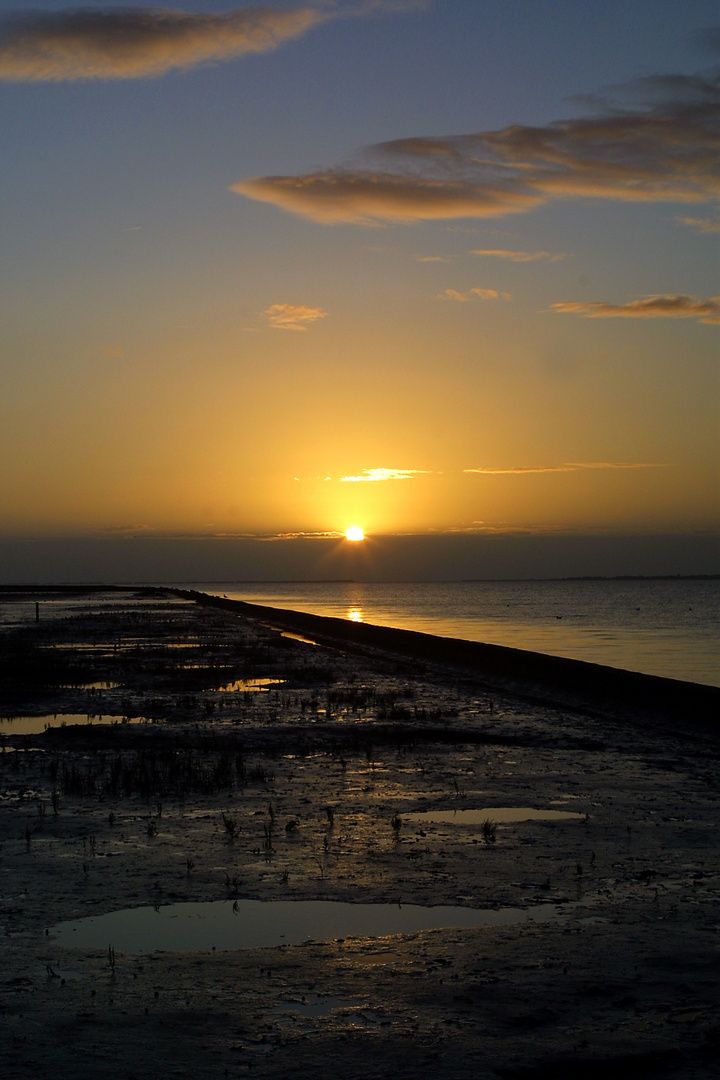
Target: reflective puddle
{"points": [[245, 686], [292, 636], [501, 815], [100, 685], [251, 924], [35, 725]]}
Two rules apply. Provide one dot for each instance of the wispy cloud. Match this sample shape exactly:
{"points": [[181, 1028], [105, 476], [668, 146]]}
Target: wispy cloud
{"points": [[520, 256], [651, 307], [373, 475], [432, 258], [473, 294], [293, 316], [132, 43], [116, 352], [703, 225], [565, 467], [659, 144]]}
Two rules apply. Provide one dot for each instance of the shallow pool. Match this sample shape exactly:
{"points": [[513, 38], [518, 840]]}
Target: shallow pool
{"points": [[249, 924], [35, 725], [247, 686], [500, 815]]}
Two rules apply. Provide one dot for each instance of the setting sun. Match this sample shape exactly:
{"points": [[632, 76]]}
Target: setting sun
{"points": [[354, 533]]}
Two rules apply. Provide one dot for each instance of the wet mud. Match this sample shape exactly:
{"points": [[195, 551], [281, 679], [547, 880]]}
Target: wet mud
{"points": [[306, 790]]}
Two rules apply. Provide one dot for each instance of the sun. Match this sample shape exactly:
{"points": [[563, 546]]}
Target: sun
{"points": [[354, 533]]}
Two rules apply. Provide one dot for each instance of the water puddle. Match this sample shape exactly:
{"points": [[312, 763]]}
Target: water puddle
{"points": [[36, 725], [295, 637], [106, 648], [247, 686], [252, 924], [99, 685], [500, 815], [25, 750]]}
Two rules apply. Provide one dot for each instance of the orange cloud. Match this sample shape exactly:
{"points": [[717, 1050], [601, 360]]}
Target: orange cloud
{"points": [[652, 307], [520, 256], [570, 466], [482, 294], [663, 151], [136, 43], [115, 351], [293, 316], [374, 475], [703, 225]]}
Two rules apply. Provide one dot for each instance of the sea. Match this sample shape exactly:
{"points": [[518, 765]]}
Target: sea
{"points": [[660, 626]]}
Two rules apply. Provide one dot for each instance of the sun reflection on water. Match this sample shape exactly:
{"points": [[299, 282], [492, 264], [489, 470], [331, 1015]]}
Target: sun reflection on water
{"points": [[355, 615]]}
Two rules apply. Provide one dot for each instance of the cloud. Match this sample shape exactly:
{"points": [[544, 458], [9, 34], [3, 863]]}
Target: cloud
{"points": [[482, 294], [372, 475], [565, 467], [135, 43], [651, 307], [292, 316], [142, 529], [432, 258], [83, 43], [703, 225], [661, 147], [520, 256]]}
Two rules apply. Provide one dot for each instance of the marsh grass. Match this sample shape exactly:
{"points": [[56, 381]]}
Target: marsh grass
{"points": [[488, 831], [230, 825]]}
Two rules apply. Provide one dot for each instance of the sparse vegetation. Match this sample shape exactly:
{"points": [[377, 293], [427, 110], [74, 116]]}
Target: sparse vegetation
{"points": [[230, 825], [488, 831]]}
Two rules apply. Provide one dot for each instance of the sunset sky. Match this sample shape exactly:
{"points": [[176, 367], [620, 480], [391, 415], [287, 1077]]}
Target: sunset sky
{"points": [[421, 267]]}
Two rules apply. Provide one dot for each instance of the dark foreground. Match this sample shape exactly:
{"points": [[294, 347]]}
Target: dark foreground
{"points": [[97, 818]]}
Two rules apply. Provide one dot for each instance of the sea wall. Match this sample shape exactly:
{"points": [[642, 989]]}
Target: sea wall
{"points": [[687, 707]]}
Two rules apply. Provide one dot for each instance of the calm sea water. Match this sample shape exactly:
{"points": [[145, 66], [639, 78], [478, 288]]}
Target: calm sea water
{"points": [[667, 627]]}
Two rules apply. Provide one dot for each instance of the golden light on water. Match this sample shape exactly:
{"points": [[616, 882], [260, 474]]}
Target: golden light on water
{"points": [[354, 534]]}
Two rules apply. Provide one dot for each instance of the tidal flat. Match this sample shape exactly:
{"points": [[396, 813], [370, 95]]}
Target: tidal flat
{"points": [[272, 768]]}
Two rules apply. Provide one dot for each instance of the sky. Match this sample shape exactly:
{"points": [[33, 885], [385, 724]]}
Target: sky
{"points": [[437, 269]]}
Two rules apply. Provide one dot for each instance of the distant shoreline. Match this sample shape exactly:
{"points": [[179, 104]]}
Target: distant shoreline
{"points": [[97, 586]]}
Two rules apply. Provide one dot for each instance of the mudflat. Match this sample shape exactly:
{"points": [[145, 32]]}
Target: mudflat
{"points": [[261, 766]]}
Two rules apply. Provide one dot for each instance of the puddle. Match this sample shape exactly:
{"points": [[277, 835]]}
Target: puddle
{"points": [[91, 686], [106, 648], [252, 924], [295, 637], [36, 725], [25, 750], [501, 815], [245, 686]]}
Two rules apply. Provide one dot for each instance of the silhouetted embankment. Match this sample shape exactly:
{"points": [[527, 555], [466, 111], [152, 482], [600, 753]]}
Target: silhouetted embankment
{"points": [[595, 688]]}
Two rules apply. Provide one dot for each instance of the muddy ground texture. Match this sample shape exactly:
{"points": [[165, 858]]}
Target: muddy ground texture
{"points": [[226, 795]]}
